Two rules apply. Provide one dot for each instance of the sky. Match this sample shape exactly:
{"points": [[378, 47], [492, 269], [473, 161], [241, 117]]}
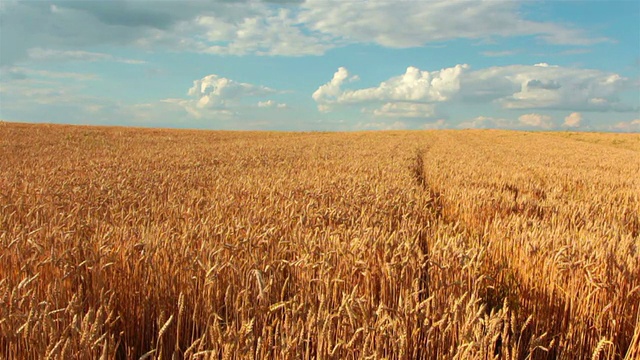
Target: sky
{"points": [[322, 65]]}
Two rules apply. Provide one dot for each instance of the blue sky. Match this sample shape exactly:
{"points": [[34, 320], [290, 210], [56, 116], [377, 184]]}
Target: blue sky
{"points": [[323, 65]]}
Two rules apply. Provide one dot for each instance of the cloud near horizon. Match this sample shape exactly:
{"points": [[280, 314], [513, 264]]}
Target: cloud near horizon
{"points": [[536, 121], [627, 126], [513, 87], [573, 120]]}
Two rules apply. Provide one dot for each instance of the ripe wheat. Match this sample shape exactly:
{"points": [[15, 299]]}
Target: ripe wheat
{"points": [[137, 243]]}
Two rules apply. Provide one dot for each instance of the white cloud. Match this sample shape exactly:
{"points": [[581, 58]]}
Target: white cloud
{"points": [[396, 125], [329, 92], [536, 120], [27, 94], [57, 98], [272, 32], [41, 54], [627, 126], [414, 85], [78, 25], [407, 95], [544, 86], [539, 86], [21, 73], [545, 65], [213, 91], [405, 110], [523, 122], [271, 104], [218, 96], [254, 27], [573, 120], [28, 91], [401, 24], [417, 93], [486, 122], [268, 103], [598, 101]]}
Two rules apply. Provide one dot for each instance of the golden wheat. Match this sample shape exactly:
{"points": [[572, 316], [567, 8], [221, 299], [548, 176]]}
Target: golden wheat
{"points": [[124, 243]]}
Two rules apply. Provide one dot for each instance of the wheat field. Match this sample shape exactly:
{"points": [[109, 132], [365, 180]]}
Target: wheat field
{"points": [[122, 243]]}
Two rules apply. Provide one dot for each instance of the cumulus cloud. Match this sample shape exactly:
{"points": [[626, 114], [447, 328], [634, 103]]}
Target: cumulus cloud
{"points": [[544, 86], [414, 85], [627, 126], [516, 87], [213, 91], [573, 120], [330, 92], [407, 95], [536, 120], [220, 96]]}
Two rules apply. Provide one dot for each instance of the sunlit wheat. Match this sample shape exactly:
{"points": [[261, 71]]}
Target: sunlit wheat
{"points": [[140, 243]]}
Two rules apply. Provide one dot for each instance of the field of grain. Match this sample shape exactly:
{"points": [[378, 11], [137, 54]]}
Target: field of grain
{"points": [[120, 243]]}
